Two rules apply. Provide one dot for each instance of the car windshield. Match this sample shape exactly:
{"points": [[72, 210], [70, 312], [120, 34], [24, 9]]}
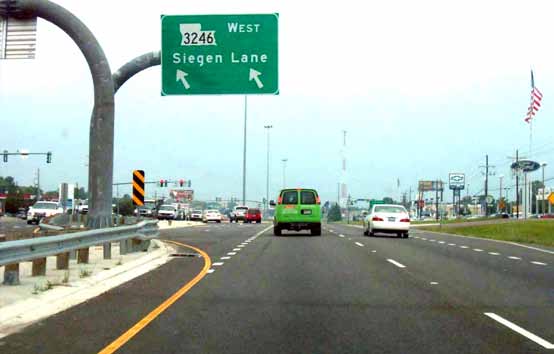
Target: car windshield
{"points": [[45, 206], [167, 207], [212, 211], [389, 209], [253, 211], [197, 211]]}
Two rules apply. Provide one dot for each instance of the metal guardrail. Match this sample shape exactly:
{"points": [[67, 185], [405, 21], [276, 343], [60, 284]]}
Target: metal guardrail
{"points": [[29, 249]]}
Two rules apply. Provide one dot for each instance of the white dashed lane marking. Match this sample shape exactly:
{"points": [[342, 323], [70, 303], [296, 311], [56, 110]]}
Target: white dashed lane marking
{"points": [[231, 253], [538, 263], [399, 265], [218, 263], [432, 240], [341, 235], [478, 250], [236, 249], [211, 270], [494, 253], [225, 258], [464, 247], [433, 283], [451, 244], [441, 241], [522, 331], [514, 257], [360, 244]]}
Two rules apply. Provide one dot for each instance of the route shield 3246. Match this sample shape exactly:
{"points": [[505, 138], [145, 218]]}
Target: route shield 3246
{"points": [[219, 54]]}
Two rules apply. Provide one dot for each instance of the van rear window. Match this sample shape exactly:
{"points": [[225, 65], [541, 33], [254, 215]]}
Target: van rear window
{"points": [[307, 197], [290, 197]]}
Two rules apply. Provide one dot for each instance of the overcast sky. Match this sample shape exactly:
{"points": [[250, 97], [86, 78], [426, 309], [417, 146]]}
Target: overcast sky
{"points": [[423, 88]]}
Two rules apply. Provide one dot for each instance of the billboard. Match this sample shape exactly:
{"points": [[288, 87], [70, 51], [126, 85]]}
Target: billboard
{"points": [[428, 186], [182, 195]]}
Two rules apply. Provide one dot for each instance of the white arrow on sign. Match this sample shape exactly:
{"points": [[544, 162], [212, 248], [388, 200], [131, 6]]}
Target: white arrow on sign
{"points": [[254, 76], [181, 77]]}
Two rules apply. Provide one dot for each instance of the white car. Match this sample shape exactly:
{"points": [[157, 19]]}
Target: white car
{"points": [[387, 218], [239, 213], [166, 212], [196, 215], [42, 210], [211, 215]]}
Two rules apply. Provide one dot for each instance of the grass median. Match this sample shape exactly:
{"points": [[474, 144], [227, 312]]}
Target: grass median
{"points": [[540, 232]]}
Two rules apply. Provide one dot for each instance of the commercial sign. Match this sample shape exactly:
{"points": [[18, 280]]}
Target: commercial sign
{"points": [[551, 198], [456, 181], [219, 54], [526, 165]]}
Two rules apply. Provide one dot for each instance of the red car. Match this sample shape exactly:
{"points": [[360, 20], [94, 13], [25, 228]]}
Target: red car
{"points": [[253, 215]]}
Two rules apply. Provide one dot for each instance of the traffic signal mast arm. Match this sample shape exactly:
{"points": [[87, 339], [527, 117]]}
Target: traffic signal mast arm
{"points": [[48, 154]]}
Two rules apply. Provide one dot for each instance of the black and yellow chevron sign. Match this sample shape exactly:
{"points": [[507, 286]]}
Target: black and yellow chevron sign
{"points": [[138, 187]]}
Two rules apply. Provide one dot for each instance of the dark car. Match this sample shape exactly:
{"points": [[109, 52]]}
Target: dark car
{"points": [[253, 215]]}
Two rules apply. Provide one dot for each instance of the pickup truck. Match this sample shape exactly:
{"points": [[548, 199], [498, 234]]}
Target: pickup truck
{"points": [[238, 213], [42, 210]]}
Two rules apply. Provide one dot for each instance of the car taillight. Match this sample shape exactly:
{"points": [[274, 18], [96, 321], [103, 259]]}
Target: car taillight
{"points": [[317, 200], [376, 218], [279, 200], [405, 220]]}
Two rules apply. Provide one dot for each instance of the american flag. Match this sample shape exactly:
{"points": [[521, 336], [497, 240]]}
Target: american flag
{"points": [[536, 98]]}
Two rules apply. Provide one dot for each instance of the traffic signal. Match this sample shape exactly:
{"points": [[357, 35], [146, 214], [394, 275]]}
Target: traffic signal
{"points": [[181, 182], [5, 155], [48, 157], [161, 182]]}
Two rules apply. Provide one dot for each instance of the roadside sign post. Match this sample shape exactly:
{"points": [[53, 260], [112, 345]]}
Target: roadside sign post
{"points": [[219, 54]]}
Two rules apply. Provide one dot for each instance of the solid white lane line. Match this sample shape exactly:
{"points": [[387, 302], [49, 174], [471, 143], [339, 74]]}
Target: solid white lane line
{"points": [[522, 331], [451, 244], [225, 258], [494, 253], [514, 257], [464, 247], [231, 253], [478, 250], [218, 263], [236, 249], [396, 263], [211, 270], [360, 244], [538, 263]]}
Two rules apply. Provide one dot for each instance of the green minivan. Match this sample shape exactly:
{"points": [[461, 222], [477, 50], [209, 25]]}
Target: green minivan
{"points": [[297, 209]]}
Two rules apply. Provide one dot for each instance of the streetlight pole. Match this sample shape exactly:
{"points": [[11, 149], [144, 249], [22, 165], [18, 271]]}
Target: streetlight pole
{"points": [[267, 127], [543, 165], [244, 154], [284, 175]]}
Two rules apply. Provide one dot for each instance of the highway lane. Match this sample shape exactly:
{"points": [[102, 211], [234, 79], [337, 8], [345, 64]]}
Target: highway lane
{"points": [[301, 294], [514, 282], [9, 224], [90, 326]]}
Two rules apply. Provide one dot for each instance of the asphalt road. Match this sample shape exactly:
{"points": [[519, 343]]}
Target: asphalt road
{"points": [[10, 224], [338, 293]]}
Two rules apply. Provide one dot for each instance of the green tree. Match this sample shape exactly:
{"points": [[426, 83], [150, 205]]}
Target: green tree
{"points": [[388, 200], [126, 206], [334, 213]]}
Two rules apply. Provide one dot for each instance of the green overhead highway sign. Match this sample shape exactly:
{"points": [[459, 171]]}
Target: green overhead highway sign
{"points": [[219, 54]]}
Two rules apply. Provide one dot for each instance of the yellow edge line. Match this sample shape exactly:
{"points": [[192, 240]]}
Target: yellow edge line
{"points": [[131, 332]]}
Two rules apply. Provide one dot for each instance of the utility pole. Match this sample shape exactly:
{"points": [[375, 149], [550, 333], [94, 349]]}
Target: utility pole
{"points": [[267, 127], [437, 201], [38, 184], [284, 172], [517, 184], [543, 165], [500, 198], [487, 174], [244, 154]]}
